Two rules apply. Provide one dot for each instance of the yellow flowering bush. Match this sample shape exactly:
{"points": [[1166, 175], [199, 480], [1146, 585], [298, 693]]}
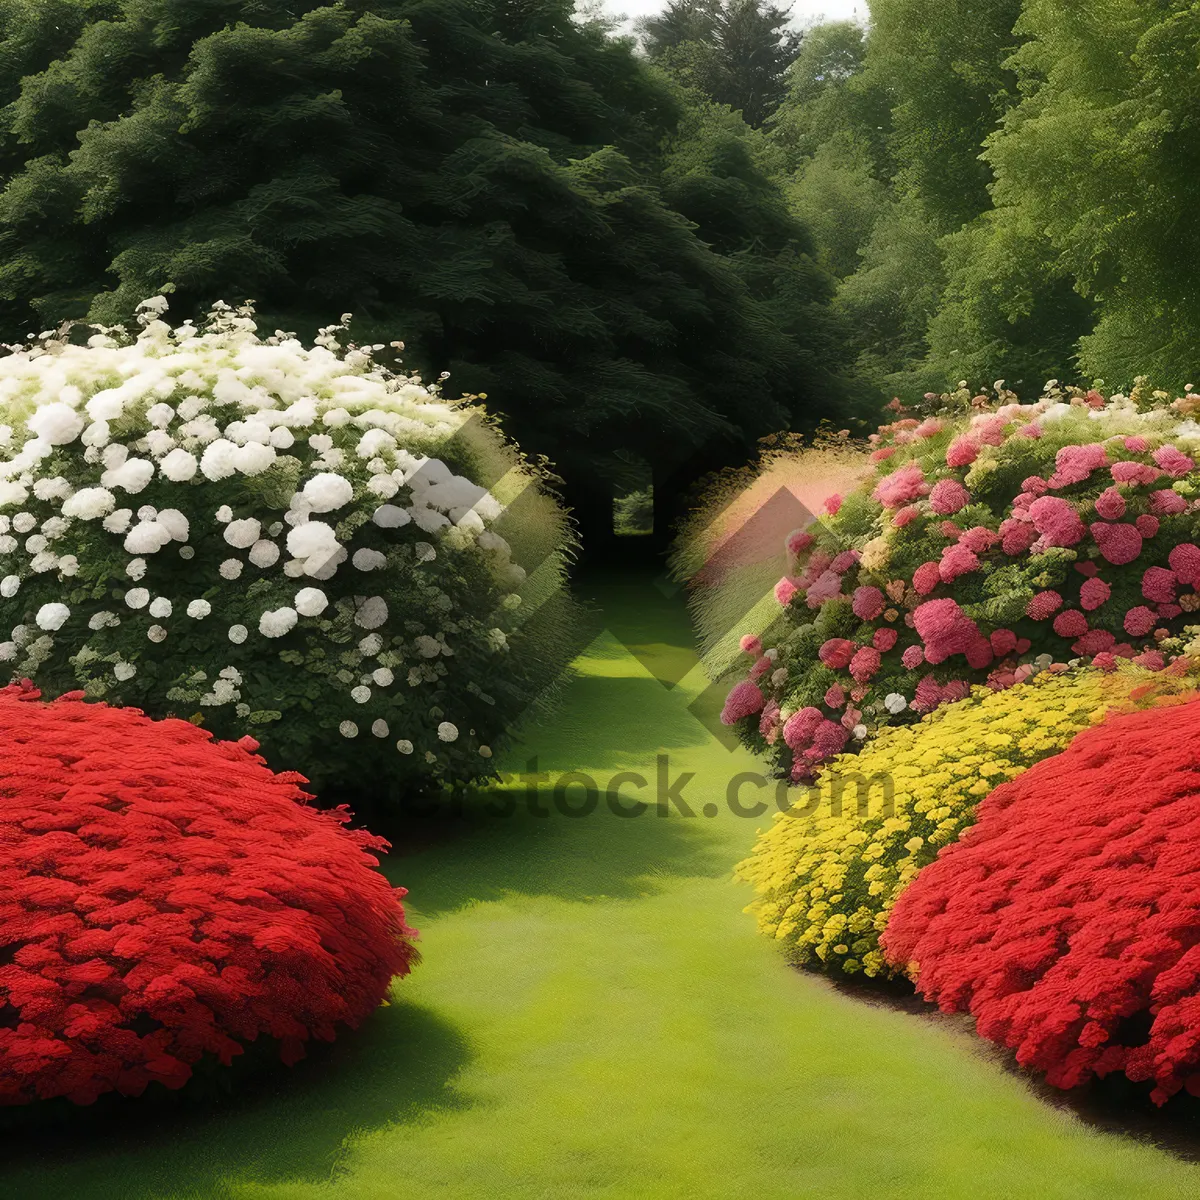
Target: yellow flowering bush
{"points": [[830, 868]]}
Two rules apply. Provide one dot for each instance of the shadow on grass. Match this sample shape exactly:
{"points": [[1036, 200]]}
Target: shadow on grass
{"points": [[1113, 1105], [454, 858], [280, 1124]]}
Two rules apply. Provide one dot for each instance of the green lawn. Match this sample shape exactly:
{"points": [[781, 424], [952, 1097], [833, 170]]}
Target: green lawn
{"points": [[596, 1016]]}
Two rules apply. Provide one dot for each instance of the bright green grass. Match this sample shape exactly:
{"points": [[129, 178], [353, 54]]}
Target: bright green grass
{"points": [[595, 1016]]}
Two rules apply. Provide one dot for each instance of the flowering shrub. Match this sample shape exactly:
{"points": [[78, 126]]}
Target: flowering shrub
{"points": [[829, 869], [164, 897], [263, 537], [1066, 923], [982, 548]]}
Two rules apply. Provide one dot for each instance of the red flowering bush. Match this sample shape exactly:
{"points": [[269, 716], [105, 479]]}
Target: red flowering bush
{"points": [[1067, 920], [984, 544], [164, 897]]}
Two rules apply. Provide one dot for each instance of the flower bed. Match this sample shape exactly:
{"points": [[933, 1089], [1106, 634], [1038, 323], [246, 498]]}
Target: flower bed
{"points": [[828, 871], [165, 898], [984, 547], [268, 538], [1066, 922]]}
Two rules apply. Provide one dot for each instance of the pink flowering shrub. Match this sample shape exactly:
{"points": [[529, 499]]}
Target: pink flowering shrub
{"points": [[985, 543]]}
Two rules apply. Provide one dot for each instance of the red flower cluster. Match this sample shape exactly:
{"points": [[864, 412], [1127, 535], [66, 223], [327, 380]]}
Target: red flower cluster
{"points": [[163, 897], [1070, 912]]}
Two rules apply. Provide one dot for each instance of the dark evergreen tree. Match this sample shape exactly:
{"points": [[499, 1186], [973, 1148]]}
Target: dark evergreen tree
{"points": [[475, 176]]}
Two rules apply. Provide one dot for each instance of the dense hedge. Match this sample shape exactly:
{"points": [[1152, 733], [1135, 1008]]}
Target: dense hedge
{"points": [[263, 537], [1066, 922], [829, 869], [989, 542], [165, 899]]}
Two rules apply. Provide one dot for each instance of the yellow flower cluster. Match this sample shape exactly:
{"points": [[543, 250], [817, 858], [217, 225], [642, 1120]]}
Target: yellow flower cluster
{"points": [[829, 870]]}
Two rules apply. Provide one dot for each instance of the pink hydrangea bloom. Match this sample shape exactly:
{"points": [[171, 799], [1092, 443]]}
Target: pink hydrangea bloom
{"points": [[850, 718], [836, 653], [929, 428], [768, 722], [1094, 593], [988, 429], [1110, 505], [1139, 621], [1168, 612], [1016, 536], [817, 565], [1119, 544], [843, 561], [1004, 641], [835, 697], [1173, 461], [1105, 661], [884, 639], [751, 645], [904, 515], [956, 560], [962, 452], [883, 454], [901, 487], [785, 589], [833, 504], [1070, 623], [979, 538], [1167, 503], [1095, 641], [1032, 430], [979, 653], [825, 587], [1185, 562], [949, 530], [948, 497], [1087, 568], [1035, 485], [912, 658], [761, 667], [944, 628], [1132, 472], [1074, 464], [1151, 660], [926, 577], [1158, 585], [1146, 525], [798, 542], [1043, 605], [1136, 445], [868, 602], [1056, 521], [799, 728], [864, 664], [744, 700]]}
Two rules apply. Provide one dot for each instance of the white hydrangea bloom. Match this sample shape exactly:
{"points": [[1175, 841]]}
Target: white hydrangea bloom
{"points": [[199, 609], [118, 521], [131, 476], [238, 634], [894, 702], [370, 645], [264, 553], [124, 671], [380, 728], [137, 597], [311, 602], [175, 523], [9, 586], [327, 492], [383, 676], [404, 746], [24, 522], [147, 537], [156, 633], [160, 607], [348, 729], [231, 568], [389, 516], [52, 616], [360, 694], [58, 423], [368, 560], [277, 622], [244, 533], [372, 613], [447, 732], [135, 568]]}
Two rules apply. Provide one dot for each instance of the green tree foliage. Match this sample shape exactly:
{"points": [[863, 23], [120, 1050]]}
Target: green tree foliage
{"points": [[736, 52], [477, 176], [1100, 156]]}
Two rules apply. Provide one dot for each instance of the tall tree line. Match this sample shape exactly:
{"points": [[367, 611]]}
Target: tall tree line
{"points": [[512, 190]]}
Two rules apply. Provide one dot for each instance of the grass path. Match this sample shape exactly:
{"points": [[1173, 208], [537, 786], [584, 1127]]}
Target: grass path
{"points": [[596, 1017]]}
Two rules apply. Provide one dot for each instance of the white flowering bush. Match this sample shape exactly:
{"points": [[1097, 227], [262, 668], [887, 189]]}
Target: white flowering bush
{"points": [[276, 541]]}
